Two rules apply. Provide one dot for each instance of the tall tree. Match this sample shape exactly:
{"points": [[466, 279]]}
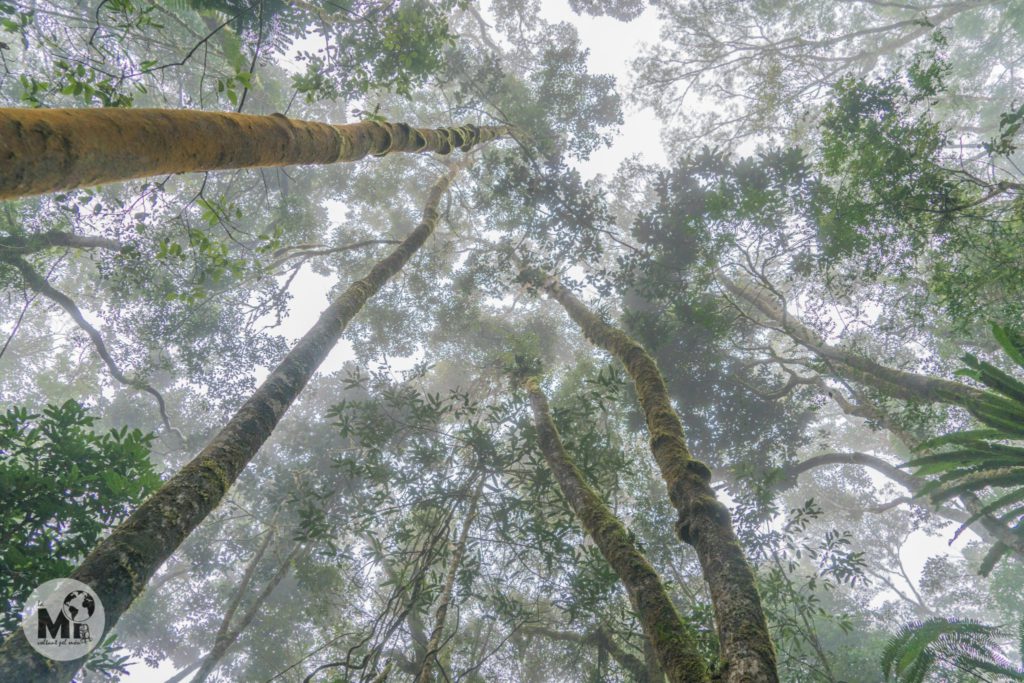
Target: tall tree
{"points": [[123, 563], [672, 640], [53, 149], [703, 521]]}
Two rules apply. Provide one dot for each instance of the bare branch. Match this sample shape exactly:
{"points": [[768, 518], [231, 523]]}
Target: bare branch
{"points": [[39, 284]]}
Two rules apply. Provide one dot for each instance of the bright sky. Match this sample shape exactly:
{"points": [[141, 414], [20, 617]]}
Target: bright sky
{"points": [[640, 131]]}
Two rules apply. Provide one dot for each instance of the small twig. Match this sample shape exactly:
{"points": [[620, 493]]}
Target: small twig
{"points": [[17, 323]]}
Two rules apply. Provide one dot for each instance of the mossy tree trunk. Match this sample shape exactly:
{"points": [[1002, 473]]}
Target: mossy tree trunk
{"points": [[674, 642], [119, 567], [46, 150], [16, 245], [704, 522]]}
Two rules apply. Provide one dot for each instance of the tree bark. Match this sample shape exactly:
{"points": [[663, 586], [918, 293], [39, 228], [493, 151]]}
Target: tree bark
{"points": [[907, 386], [901, 477], [120, 565], [790, 473], [47, 150], [899, 384], [652, 667], [441, 612], [672, 640], [21, 245], [704, 522]]}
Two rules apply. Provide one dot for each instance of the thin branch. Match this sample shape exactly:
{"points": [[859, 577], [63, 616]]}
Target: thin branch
{"points": [[39, 284], [304, 251]]}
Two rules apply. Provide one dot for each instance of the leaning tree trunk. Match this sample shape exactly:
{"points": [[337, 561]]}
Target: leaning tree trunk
{"points": [[747, 651], [441, 612], [45, 150], [674, 643], [120, 565], [899, 384], [229, 633]]}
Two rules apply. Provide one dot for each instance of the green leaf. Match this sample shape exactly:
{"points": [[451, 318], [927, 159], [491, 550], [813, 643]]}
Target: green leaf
{"points": [[1012, 344]]}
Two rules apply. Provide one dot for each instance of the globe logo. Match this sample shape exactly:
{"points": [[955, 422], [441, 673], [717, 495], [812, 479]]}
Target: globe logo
{"points": [[78, 606], [63, 619]]}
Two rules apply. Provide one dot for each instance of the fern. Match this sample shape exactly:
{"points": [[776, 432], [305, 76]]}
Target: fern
{"points": [[980, 460], [924, 647]]}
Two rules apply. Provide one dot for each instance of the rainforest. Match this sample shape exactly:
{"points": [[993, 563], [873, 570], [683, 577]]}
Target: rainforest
{"points": [[649, 341]]}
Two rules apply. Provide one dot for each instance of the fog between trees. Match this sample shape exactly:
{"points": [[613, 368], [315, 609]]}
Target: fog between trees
{"points": [[751, 415]]}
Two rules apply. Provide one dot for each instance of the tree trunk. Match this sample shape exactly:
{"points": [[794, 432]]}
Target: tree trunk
{"points": [[120, 565], [441, 613], [652, 667], [226, 637], [790, 473], [46, 150], [15, 245], [899, 384], [747, 651], [672, 640]]}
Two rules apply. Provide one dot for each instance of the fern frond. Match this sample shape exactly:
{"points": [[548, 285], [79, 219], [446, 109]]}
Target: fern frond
{"points": [[920, 647]]}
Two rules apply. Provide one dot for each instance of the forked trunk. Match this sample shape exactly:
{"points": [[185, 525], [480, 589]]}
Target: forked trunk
{"points": [[704, 522]]}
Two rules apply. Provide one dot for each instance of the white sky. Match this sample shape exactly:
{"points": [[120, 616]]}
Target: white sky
{"points": [[640, 131]]}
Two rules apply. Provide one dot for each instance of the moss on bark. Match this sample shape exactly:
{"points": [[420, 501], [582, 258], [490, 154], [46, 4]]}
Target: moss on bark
{"points": [[704, 522], [119, 567], [672, 640]]}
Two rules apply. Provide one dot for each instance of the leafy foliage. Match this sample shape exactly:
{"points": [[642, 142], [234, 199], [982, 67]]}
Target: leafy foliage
{"points": [[392, 46], [63, 484], [989, 458], [946, 644], [895, 187], [700, 210]]}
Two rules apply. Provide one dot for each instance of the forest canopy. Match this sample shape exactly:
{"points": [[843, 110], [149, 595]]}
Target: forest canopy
{"points": [[518, 340]]}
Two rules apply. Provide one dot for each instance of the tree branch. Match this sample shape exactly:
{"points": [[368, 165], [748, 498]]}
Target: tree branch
{"points": [[39, 284]]}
